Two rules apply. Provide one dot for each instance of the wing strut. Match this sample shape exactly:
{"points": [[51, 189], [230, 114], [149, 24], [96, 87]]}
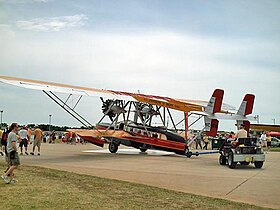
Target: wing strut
{"points": [[171, 118], [67, 108]]}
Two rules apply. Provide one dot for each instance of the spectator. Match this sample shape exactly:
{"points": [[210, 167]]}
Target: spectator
{"points": [[23, 135], [63, 139], [4, 140], [263, 139], [12, 154], [1, 152], [71, 137], [74, 138], [38, 134], [52, 138], [60, 136], [29, 134], [206, 141], [231, 135], [198, 141], [268, 142]]}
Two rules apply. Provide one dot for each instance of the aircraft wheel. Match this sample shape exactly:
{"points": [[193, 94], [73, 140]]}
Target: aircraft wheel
{"points": [[222, 160], [231, 164], [113, 148], [189, 154], [143, 149], [258, 164]]}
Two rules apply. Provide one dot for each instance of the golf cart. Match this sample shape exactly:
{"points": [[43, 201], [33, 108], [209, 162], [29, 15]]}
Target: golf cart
{"points": [[243, 151]]}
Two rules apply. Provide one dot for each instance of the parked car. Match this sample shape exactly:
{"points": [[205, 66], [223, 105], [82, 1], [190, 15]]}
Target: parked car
{"points": [[275, 142]]}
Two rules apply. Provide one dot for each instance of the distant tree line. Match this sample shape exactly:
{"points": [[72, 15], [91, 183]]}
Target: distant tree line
{"points": [[46, 127]]}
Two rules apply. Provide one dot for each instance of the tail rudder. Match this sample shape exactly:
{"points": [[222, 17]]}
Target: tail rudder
{"points": [[246, 108], [214, 106], [215, 102], [247, 105], [211, 126]]}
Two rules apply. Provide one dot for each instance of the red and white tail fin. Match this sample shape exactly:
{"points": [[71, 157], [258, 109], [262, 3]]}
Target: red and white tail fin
{"points": [[247, 105], [214, 106], [215, 102], [246, 108], [211, 126]]}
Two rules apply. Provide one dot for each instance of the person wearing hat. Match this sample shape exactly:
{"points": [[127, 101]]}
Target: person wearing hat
{"points": [[23, 135], [241, 133]]}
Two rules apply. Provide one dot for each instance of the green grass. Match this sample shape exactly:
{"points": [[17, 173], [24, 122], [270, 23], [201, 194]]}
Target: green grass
{"points": [[275, 149], [40, 188]]}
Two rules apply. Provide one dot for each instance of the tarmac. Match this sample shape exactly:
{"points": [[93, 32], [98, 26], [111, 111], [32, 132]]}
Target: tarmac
{"points": [[199, 175]]}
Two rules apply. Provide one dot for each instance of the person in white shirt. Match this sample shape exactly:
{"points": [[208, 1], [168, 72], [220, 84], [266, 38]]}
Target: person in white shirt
{"points": [[23, 135], [263, 139], [12, 155]]}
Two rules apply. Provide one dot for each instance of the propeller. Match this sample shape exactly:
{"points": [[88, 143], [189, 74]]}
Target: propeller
{"points": [[112, 108], [147, 111]]}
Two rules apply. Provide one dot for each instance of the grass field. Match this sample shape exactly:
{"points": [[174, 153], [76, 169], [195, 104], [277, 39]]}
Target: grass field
{"points": [[275, 149], [40, 188]]}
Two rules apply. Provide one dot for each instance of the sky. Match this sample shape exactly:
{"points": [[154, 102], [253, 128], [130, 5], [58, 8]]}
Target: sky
{"points": [[181, 49]]}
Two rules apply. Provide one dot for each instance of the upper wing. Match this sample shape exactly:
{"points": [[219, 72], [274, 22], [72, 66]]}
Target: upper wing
{"points": [[177, 104]]}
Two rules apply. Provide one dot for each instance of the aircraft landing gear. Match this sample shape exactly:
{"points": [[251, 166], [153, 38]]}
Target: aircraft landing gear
{"points": [[188, 153], [113, 147]]}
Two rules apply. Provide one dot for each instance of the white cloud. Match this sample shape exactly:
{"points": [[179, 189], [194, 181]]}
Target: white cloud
{"points": [[23, 1], [44, 1], [53, 23], [6, 31]]}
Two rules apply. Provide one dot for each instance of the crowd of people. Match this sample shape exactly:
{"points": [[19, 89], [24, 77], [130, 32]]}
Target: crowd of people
{"points": [[202, 140], [14, 138]]}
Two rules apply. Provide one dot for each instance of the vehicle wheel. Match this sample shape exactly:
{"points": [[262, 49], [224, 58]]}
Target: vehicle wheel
{"points": [[244, 163], [258, 164], [143, 149], [231, 164], [222, 160], [113, 148]]}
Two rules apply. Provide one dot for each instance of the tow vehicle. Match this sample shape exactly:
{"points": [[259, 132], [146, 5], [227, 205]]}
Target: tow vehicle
{"points": [[243, 151]]}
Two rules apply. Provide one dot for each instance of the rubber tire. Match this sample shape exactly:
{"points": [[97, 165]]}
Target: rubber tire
{"points": [[258, 164], [113, 148], [189, 154], [143, 149], [222, 160], [245, 163], [231, 164]]}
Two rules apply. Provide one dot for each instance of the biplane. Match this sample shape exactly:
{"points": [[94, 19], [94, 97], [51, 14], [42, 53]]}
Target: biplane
{"points": [[132, 115]]}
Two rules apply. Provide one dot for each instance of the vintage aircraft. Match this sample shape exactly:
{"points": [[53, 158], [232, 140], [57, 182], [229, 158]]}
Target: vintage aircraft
{"points": [[132, 115]]}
